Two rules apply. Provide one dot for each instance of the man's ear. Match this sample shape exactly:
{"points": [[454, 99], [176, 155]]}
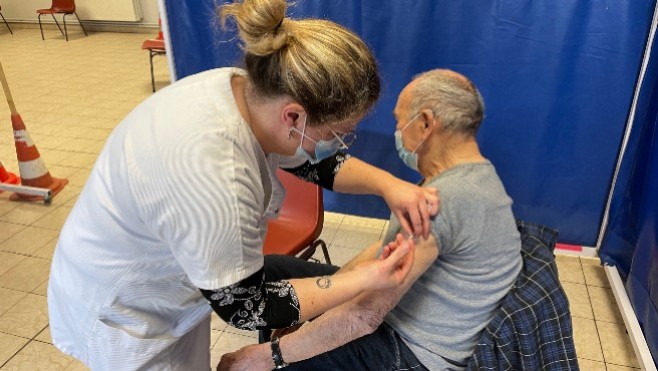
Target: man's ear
{"points": [[428, 119], [292, 115]]}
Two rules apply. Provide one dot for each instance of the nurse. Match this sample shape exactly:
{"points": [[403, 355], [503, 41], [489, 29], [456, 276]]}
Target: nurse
{"points": [[175, 210]]}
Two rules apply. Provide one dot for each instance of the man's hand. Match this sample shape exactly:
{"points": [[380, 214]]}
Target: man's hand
{"points": [[412, 205], [250, 358]]}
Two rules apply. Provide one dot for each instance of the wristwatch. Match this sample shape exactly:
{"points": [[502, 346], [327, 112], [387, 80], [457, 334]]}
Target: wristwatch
{"points": [[276, 354]]}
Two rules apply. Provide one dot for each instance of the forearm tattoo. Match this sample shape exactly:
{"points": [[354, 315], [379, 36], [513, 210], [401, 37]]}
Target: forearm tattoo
{"points": [[323, 282], [256, 304], [322, 173]]}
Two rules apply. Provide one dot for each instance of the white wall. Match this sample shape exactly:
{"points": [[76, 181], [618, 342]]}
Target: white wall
{"points": [[25, 11]]}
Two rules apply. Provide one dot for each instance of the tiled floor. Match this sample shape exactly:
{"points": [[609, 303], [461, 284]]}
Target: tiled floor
{"points": [[70, 96]]}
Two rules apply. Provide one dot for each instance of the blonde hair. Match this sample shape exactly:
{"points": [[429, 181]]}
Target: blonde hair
{"points": [[323, 66]]}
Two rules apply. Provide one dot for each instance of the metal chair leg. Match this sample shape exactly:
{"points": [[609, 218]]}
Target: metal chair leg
{"points": [[6, 24], [308, 253], [151, 54], [40, 28], [57, 23], [66, 32], [83, 27]]}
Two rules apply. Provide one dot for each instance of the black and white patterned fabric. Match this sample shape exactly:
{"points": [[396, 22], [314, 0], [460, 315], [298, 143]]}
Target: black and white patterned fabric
{"points": [[256, 304], [324, 172]]}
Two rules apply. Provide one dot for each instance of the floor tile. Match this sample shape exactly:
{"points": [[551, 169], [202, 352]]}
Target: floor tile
{"points": [[579, 303], [7, 230], [214, 336], [217, 323], [54, 220], [339, 255], [27, 318], [9, 345], [9, 261], [586, 338], [587, 365], [354, 237], [41, 290], [612, 367], [569, 269], [616, 344], [44, 336], [6, 206], [26, 275], [27, 213], [604, 305], [46, 251], [594, 272], [245, 333], [9, 299], [28, 240], [76, 365], [360, 221], [38, 356], [329, 230], [333, 217]]}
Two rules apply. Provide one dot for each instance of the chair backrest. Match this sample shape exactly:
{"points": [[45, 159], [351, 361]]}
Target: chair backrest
{"points": [[300, 219], [63, 6]]}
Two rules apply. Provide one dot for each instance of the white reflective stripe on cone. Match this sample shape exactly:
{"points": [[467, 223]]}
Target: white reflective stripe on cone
{"points": [[23, 136], [32, 169]]}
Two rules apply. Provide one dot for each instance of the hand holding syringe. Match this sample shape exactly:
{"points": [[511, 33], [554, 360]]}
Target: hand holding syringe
{"points": [[400, 239]]}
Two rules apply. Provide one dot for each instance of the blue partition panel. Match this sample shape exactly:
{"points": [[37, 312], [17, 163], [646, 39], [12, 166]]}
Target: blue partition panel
{"points": [[631, 238], [557, 78]]}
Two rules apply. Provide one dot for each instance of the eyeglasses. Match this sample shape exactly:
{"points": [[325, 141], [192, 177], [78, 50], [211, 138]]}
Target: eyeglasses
{"points": [[345, 139]]}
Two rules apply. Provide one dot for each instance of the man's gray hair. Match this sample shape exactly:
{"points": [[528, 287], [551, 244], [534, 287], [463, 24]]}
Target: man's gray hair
{"points": [[453, 98]]}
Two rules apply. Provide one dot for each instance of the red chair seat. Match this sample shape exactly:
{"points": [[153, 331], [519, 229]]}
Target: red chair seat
{"points": [[153, 44]]}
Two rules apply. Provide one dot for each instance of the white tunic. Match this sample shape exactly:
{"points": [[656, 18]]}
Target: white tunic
{"points": [[179, 199]]}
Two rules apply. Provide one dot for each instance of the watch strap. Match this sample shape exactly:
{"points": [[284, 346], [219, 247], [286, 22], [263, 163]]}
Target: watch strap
{"points": [[276, 354]]}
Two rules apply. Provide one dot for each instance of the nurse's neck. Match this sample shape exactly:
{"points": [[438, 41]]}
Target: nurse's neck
{"points": [[260, 114]]}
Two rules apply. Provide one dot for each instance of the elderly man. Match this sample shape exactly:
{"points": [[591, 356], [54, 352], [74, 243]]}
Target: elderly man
{"points": [[460, 273]]}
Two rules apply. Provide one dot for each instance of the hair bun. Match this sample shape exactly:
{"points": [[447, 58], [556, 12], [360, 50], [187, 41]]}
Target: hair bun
{"points": [[261, 24]]}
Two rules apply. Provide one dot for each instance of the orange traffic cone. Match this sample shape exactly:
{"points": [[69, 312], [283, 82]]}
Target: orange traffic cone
{"points": [[7, 177], [30, 165], [32, 169]]}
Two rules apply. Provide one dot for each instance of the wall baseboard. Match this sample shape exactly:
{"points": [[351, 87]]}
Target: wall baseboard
{"points": [[93, 26]]}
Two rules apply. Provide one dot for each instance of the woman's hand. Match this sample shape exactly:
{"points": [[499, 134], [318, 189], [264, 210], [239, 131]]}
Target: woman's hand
{"points": [[393, 266], [412, 205], [250, 358]]}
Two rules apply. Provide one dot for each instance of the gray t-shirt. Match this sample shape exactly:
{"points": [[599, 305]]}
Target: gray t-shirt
{"points": [[444, 312]]}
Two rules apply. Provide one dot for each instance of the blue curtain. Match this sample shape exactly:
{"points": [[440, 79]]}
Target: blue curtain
{"points": [[631, 237], [557, 77]]}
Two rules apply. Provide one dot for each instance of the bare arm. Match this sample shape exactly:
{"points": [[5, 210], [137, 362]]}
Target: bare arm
{"points": [[338, 326]]}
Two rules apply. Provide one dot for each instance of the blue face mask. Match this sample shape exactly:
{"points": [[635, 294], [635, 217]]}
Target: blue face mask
{"points": [[323, 148], [409, 158]]}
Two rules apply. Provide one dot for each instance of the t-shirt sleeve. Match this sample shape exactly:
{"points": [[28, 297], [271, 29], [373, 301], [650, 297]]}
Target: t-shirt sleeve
{"points": [[204, 199], [459, 212]]}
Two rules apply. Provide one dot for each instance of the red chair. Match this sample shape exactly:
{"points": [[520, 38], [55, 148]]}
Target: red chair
{"points": [[155, 47], [297, 230], [65, 7], [4, 20]]}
